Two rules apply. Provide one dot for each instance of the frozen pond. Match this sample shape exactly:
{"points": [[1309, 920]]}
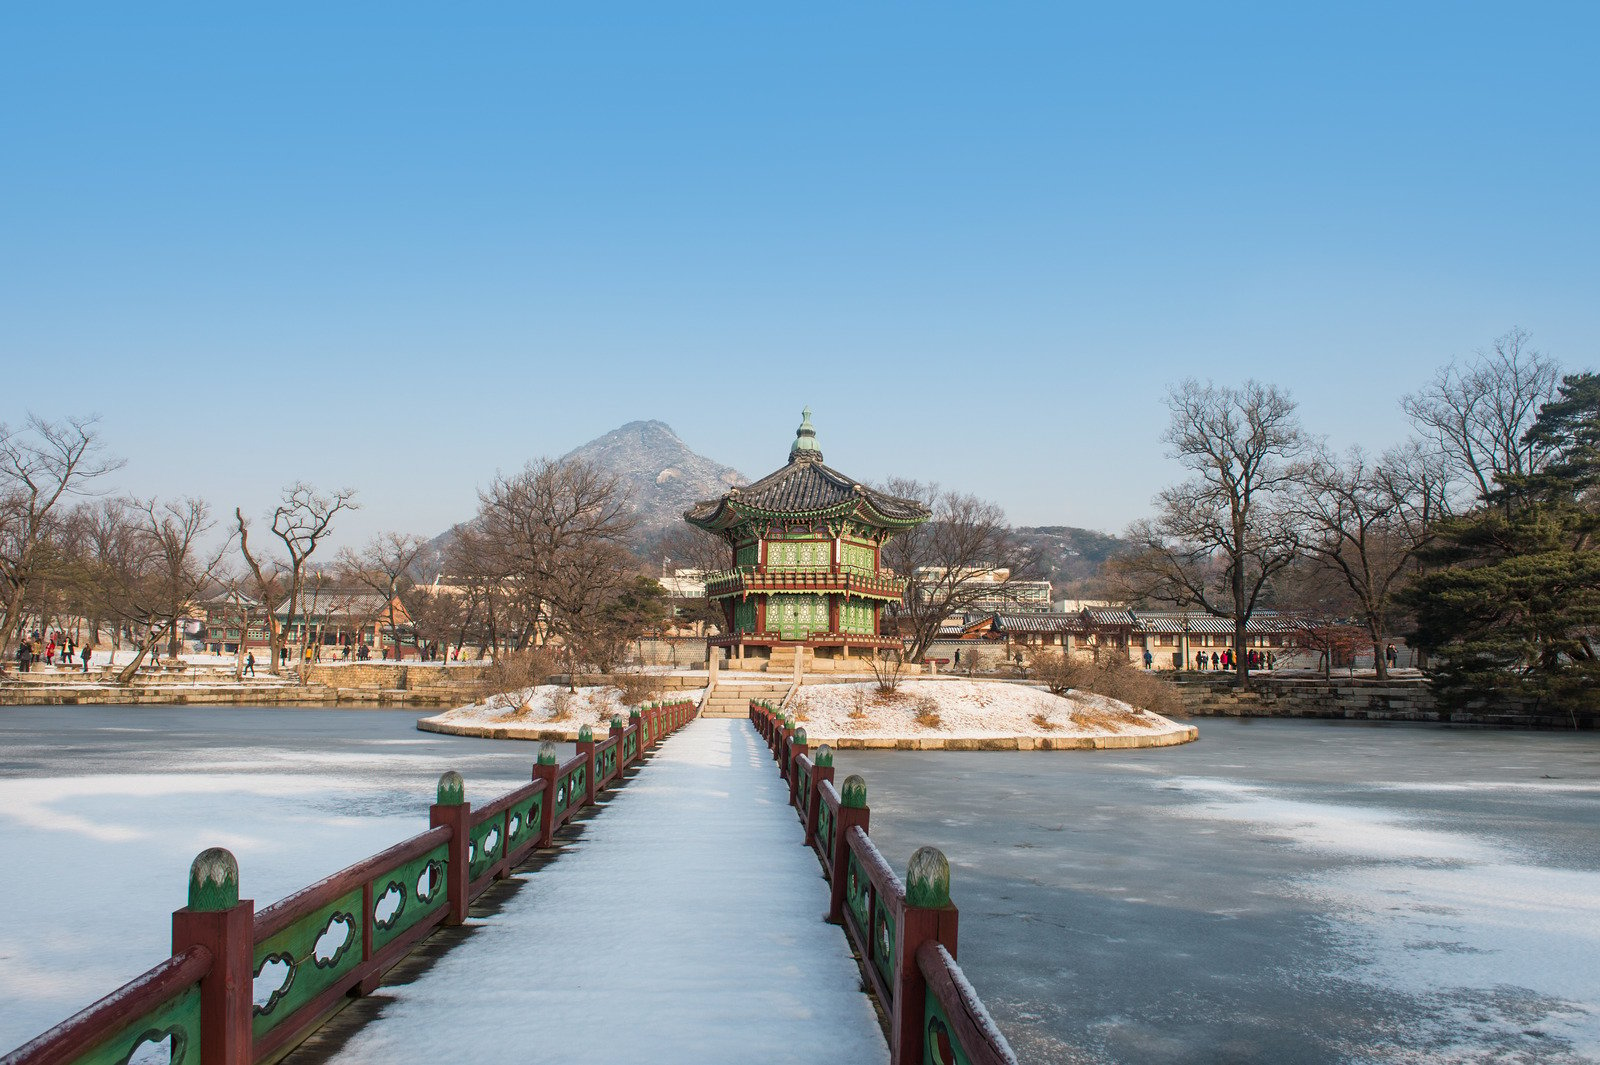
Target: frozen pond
{"points": [[1280, 891], [103, 808], [1277, 892]]}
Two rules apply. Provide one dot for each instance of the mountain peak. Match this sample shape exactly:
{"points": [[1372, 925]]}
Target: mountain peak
{"points": [[662, 474]]}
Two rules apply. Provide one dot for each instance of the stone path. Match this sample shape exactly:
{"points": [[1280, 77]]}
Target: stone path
{"points": [[685, 925]]}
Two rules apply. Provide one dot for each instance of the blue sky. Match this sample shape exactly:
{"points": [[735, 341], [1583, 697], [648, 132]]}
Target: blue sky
{"points": [[401, 246]]}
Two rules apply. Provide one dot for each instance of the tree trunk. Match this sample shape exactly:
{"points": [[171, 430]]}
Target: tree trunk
{"points": [[1380, 662], [128, 671]]}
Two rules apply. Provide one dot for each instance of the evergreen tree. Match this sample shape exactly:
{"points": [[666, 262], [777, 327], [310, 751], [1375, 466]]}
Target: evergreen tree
{"points": [[1511, 601]]}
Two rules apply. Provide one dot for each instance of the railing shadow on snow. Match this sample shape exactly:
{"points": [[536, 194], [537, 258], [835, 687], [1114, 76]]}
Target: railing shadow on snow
{"points": [[904, 932]]}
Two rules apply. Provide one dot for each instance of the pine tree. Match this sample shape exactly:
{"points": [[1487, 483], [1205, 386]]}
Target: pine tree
{"points": [[1511, 602]]}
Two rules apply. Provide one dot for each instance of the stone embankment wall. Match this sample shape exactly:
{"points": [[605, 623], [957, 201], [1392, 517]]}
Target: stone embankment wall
{"points": [[1355, 699]]}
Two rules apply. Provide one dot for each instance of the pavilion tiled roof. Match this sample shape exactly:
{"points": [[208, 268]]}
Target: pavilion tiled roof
{"points": [[806, 486]]}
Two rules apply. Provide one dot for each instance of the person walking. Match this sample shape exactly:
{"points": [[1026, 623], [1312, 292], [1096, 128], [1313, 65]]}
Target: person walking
{"points": [[1149, 659], [83, 653], [250, 664]]}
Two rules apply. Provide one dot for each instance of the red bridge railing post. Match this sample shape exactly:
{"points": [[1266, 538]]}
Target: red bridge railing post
{"points": [[853, 812], [452, 811], [928, 916], [545, 769], [821, 769], [224, 924], [586, 751], [797, 748]]}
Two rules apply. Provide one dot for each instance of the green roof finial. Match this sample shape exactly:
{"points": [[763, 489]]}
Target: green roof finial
{"points": [[804, 448]]}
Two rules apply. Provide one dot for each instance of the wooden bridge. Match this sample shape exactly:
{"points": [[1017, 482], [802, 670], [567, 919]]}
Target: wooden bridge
{"points": [[687, 925]]}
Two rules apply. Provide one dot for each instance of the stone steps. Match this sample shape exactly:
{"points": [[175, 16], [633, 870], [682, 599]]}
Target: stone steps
{"points": [[733, 700]]}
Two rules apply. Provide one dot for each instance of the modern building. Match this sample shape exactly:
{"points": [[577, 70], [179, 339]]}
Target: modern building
{"points": [[806, 546]]}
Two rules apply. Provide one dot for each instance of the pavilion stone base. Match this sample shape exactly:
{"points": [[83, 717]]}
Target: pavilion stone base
{"points": [[784, 658]]}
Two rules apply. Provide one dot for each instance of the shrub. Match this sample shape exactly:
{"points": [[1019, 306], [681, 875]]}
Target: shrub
{"points": [[511, 672], [858, 704], [1116, 678], [925, 709], [560, 704], [637, 688]]}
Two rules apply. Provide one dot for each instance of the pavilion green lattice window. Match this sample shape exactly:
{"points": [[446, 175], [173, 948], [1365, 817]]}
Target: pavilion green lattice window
{"points": [[805, 554], [857, 557], [796, 616], [856, 616]]}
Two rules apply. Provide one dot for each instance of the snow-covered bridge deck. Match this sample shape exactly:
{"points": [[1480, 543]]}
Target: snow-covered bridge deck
{"points": [[684, 925]]}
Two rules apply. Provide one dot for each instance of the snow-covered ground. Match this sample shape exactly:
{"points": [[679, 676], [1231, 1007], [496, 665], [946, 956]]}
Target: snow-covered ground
{"points": [[550, 706], [687, 904], [966, 710]]}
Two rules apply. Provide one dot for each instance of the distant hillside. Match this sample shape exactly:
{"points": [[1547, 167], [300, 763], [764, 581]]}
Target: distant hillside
{"points": [[664, 477], [1067, 556]]}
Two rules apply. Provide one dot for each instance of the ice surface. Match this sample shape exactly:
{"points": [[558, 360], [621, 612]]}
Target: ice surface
{"points": [[713, 950], [1505, 944]]}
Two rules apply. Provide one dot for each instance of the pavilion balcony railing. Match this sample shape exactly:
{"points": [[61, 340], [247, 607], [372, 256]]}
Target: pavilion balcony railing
{"points": [[844, 579]]}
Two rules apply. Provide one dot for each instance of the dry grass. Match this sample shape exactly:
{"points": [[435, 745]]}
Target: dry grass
{"points": [[1112, 676], [637, 688], [858, 708], [800, 709], [1043, 722], [926, 711], [511, 672], [561, 701]]}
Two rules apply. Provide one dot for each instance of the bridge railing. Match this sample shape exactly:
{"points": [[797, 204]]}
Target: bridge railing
{"points": [[241, 987], [904, 932]]}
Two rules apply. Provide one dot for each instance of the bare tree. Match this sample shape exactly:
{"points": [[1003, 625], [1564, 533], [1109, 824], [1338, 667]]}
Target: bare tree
{"points": [[384, 566], [563, 529], [42, 464], [963, 553], [1365, 521], [1219, 537], [1478, 413], [161, 571], [302, 520]]}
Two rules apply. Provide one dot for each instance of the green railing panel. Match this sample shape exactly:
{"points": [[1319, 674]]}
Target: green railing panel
{"points": [[485, 844], [940, 1044], [825, 830], [883, 934], [855, 893], [406, 894], [567, 787], [524, 822], [297, 964], [170, 1032]]}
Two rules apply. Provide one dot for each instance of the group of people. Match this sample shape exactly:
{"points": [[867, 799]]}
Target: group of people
{"points": [[59, 649], [1225, 660]]}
